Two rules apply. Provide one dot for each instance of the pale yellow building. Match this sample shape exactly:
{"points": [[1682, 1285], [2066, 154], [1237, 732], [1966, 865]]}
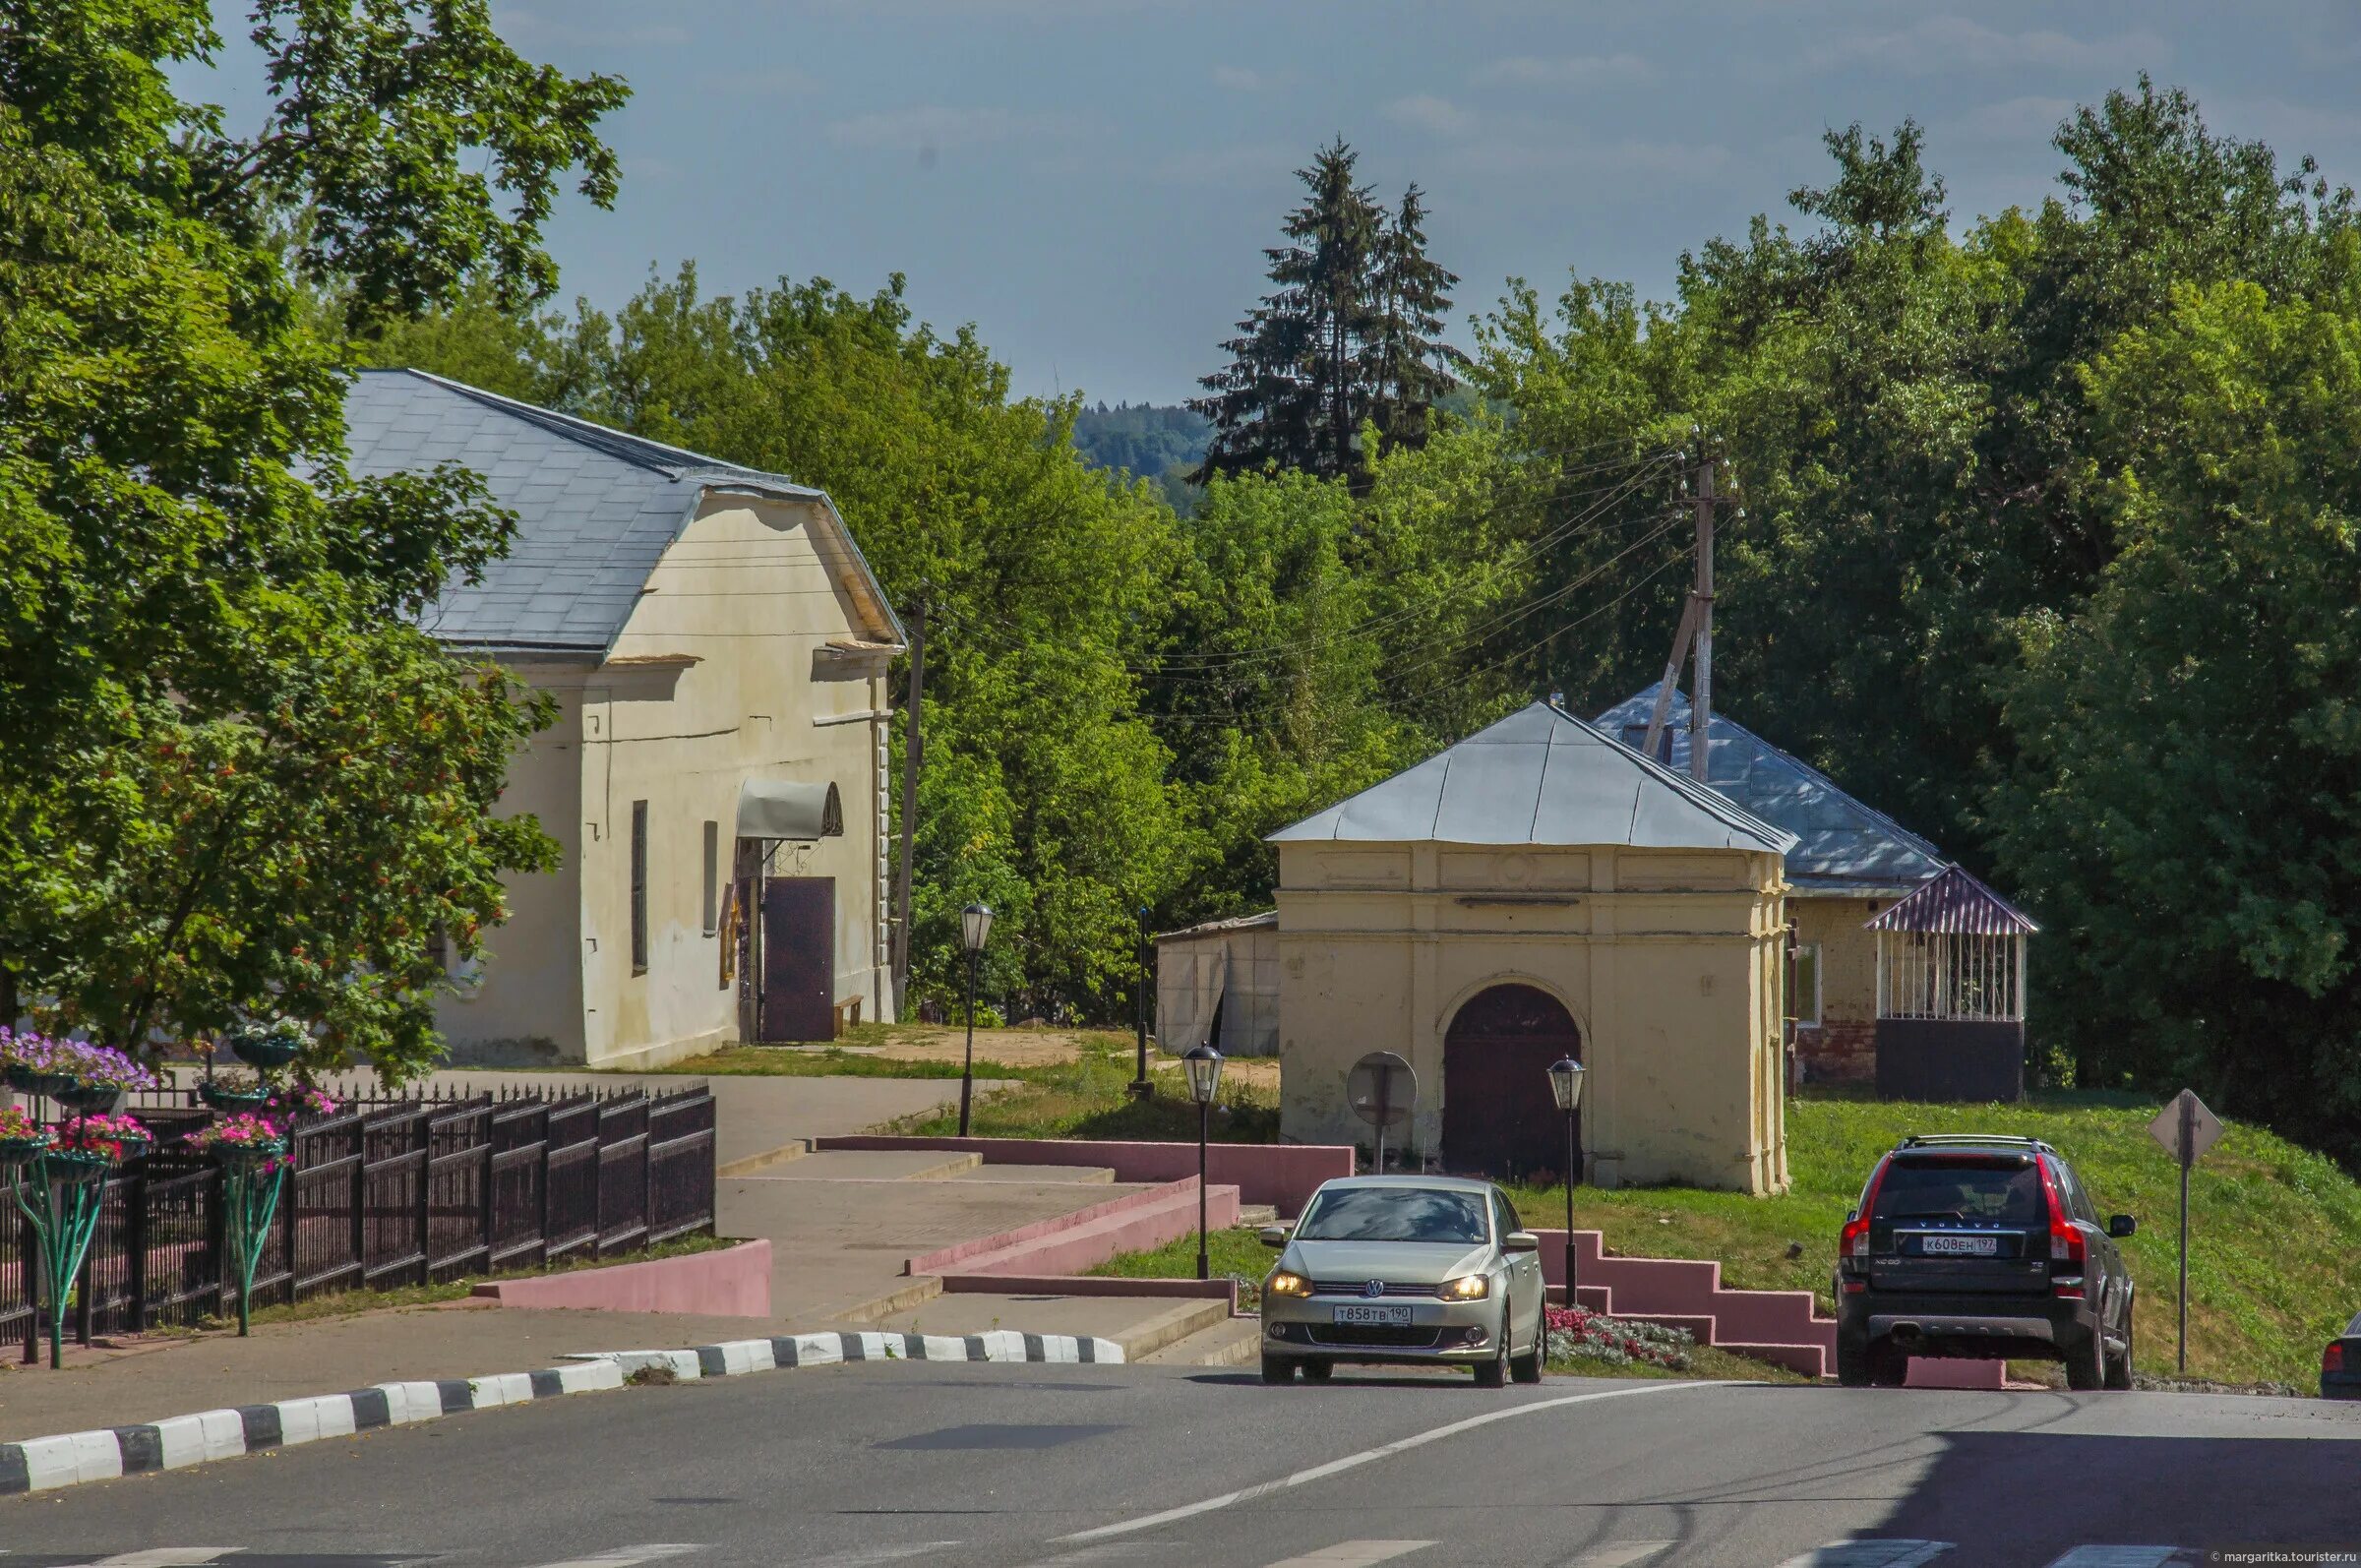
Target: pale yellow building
{"points": [[717, 775], [1537, 890]]}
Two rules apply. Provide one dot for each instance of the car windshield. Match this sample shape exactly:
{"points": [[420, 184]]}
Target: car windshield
{"points": [[2001, 1190], [1394, 1214]]}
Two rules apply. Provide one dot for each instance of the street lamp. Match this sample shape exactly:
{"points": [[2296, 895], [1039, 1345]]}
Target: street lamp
{"points": [[1565, 1083], [1203, 1065], [975, 925], [1139, 1080]]}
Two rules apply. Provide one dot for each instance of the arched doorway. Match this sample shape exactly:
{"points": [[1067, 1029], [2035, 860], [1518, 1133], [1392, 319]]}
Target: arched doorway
{"points": [[1499, 1118]]}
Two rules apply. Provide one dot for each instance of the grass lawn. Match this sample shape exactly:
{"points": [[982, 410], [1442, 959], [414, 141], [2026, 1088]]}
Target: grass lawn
{"points": [[1236, 1253], [2275, 1252], [1083, 1097]]}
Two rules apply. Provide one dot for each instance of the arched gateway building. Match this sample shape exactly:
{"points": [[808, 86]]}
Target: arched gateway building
{"points": [[1541, 888]]}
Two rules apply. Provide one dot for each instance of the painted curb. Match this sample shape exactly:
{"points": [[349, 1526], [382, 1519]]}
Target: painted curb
{"points": [[40, 1464], [736, 1358]]}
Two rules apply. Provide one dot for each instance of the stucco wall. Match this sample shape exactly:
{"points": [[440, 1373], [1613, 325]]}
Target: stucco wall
{"points": [[1670, 963], [524, 1003], [721, 675], [1844, 1048]]}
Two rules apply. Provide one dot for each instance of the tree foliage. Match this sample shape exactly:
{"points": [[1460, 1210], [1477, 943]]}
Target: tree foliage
{"points": [[1349, 338], [238, 779]]}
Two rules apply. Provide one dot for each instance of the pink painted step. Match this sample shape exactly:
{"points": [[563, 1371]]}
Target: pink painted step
{"points": [[1156, 1217], [1782, 1327]]}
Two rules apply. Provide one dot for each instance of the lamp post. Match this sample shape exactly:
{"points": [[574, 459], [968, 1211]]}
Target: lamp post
{"points": [[1565, 1084], [1139, 1079], [1203, 1064], [975, 925]]}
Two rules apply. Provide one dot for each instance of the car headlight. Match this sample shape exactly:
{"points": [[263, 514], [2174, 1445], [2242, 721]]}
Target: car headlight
{"points": [[1283, 1282], [1467, 1287]]}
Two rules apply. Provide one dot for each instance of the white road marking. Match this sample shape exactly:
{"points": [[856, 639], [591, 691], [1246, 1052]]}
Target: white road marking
{"points": [[1618, 1554], [2118, 1557], [1870, 1554], [869, 1556], [167, 1557], [626, 1556], [1337, 1466], [1354, 1554]]}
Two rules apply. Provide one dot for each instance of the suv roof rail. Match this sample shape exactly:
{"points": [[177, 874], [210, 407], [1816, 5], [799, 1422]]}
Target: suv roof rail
{"points": [[1925, 1139]]}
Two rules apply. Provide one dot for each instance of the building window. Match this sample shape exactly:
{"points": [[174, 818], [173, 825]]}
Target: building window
{"points": [[712, 877], [639, 887], [1804, 998]]}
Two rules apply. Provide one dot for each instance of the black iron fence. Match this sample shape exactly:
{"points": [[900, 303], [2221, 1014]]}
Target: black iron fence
{"points": [[383, 1193]]}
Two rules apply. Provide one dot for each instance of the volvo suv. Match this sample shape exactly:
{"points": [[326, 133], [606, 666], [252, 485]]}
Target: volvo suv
{"points": [[1984, 1248]]}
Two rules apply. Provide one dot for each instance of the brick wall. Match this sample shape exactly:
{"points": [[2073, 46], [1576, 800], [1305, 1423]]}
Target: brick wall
{"points": [[1837, 1052]]}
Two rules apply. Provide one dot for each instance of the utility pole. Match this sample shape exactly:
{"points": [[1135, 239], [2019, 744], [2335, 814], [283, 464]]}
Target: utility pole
{"points": [[1695, 633], [913, 749], [1701, 691]]}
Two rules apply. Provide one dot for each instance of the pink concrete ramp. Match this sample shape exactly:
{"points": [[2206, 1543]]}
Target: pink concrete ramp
{"points": [[733, 1282]]}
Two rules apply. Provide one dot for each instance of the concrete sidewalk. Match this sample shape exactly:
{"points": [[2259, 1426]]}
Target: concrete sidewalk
{"points": [[841, 1226]]}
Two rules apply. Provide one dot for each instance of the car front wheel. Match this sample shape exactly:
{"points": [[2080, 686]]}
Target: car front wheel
{"points": [[1494, 1373], [1278, 1369]]}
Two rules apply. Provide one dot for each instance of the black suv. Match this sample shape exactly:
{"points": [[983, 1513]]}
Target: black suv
{"points": [[1981, 1247]]}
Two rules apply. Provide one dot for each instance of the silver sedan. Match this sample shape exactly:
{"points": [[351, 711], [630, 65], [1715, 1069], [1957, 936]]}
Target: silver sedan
{"points": [[1419, 1270]]}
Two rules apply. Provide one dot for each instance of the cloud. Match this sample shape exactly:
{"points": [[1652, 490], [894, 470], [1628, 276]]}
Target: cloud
{"points": [[1569, 70], [2018, 119], [1246, 79], [926, 128], [1948, 43], [1426, 112], [533, 27], [1568, 153]]}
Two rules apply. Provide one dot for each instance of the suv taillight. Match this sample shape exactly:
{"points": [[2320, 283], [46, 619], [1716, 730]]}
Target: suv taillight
{"points": [[2331, 1360], [1853, 1243], [2065, 1244]]}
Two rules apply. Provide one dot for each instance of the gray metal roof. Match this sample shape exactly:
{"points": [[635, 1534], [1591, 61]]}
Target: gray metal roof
{"points": [[595, 507], [1541, 776], [1842, 845]]}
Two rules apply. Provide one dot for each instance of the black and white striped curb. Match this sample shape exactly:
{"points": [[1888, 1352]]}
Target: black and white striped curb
{"points": [[40, 1463], [735, 1356]]}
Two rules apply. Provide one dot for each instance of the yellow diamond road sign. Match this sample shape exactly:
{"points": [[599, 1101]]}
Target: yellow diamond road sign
{"points": [[2205, 1127]]}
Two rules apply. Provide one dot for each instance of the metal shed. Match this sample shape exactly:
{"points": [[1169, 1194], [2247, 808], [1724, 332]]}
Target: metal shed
{"points": [[1232, 964]]}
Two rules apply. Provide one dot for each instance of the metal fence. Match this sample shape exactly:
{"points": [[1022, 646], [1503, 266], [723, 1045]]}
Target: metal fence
{"points": [[384, 1193]]}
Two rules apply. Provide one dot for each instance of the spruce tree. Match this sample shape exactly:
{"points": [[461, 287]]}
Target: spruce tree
{"points": [[1346, 336]]}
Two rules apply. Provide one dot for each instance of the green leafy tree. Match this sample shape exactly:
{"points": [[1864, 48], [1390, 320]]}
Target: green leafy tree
{"points": [[186, 561], [2185, 800]]}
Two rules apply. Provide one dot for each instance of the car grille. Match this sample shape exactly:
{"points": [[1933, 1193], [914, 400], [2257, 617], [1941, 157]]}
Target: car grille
{"points": [[1355, 1288], [1369, 1336]]}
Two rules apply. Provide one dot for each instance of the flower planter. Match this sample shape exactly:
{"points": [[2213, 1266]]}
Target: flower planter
{"points": [[52, 1084], [89, 1098], [266, 1053], [223, 1097], [17, 1077], [18, 1151], [249, 1156], [76, 1161]]}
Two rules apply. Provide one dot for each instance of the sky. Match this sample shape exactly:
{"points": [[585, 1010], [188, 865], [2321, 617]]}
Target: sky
{"points": [[1092, 182]]}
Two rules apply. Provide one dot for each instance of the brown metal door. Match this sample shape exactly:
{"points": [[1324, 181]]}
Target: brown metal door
{"points": [[1499, 1118], [799, 958]]}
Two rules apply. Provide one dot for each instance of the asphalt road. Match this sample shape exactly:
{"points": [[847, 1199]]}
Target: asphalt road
{"points": [[880, 1463]]}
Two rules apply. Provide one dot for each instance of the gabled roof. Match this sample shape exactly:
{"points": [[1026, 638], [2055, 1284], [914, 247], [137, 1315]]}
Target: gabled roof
{"points": [[595, 509], [1842, 845], [1540, 776], [1954, 903]]}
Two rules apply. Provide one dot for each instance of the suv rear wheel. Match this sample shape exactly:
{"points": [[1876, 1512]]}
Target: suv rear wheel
{"points": [[2087, 1364], [1889, 1366], [1853, 1362]]}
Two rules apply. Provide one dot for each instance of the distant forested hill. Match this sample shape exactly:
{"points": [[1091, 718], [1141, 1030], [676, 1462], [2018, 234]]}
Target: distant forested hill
{"points": [[1145, 438]]}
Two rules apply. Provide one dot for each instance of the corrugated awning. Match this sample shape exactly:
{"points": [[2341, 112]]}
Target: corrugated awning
{"points": [[789, 808], [1954, 903]]}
